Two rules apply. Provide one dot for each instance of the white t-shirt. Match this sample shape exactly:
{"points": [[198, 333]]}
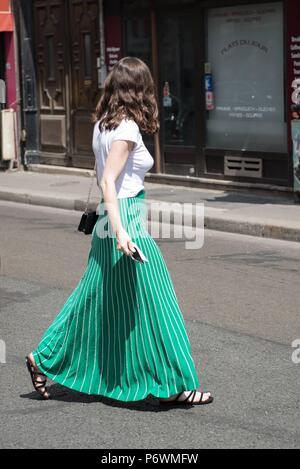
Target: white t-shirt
{"points": [[139, 162]]}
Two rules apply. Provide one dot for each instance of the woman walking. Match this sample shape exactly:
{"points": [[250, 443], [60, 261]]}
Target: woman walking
{"points": [[121, 333]]}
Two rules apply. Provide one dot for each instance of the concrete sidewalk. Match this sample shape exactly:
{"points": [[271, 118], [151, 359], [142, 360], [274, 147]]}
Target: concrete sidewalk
{"points": [[231, 211]]}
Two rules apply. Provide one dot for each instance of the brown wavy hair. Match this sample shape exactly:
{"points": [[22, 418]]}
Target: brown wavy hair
{"points": [[129, 92]]}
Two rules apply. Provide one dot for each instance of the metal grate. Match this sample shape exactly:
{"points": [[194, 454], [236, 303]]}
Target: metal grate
{"points": [[246, 167]]}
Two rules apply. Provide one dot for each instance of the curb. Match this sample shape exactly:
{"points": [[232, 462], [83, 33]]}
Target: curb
{"points": [[59, 170], [259, 230], [177, 180], [212, 223]]}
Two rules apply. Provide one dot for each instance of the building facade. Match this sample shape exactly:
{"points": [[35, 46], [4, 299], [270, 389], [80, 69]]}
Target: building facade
{"points": [[227, 73]]}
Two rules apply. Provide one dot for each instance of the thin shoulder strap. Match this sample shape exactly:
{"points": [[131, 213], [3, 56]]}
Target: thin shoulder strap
{"points": [[90, 190]]}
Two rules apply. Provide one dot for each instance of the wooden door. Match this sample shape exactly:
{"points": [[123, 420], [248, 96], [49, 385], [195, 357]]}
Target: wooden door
{"points": [[67, 47]]}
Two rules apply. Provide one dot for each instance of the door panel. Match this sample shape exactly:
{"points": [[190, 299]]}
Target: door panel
{"points": [[85, 47]]}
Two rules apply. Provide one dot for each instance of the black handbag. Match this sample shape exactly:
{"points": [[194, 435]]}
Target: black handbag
{"points": [[88, 218]]}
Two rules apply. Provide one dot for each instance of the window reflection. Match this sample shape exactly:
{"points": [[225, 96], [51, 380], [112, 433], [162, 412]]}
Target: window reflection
{"points": [[177, 73], [138, 42]]}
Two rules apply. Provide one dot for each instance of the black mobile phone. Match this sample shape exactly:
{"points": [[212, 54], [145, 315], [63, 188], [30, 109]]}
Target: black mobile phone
{"points": [[136, 257]]}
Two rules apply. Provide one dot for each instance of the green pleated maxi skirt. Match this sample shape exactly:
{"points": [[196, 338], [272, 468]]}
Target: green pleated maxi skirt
{"points": [[120, 333]]}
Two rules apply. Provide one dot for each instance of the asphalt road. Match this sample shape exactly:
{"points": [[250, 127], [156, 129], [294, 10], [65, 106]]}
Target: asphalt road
{"points": [[240, 297]]}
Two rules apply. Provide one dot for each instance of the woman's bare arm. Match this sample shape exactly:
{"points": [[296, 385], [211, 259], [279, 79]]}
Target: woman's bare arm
{"points": [[114, 165]]}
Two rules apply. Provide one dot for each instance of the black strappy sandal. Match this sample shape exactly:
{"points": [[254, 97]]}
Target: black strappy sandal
{"points": [[186, 401], [38, 385]]}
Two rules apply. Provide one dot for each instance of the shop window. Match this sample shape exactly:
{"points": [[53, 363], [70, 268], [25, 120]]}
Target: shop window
{"points": [[245, 57], [138, 42], [177, 62], [138, 37]]}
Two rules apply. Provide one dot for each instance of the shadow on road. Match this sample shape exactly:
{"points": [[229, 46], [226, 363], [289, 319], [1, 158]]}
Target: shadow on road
{"points": [[151, 404]]}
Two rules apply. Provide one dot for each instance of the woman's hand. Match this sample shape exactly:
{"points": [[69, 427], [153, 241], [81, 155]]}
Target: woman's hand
{"points": [[124, 242]]}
